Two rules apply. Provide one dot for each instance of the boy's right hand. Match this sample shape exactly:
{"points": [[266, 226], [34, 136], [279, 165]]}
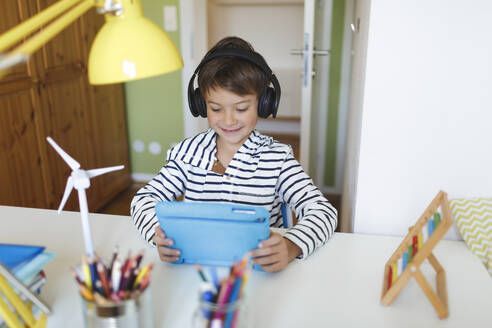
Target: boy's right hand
{"points": [[162, 243]]}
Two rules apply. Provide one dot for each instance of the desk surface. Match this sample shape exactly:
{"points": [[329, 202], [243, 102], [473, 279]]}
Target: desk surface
{"points": [[338, 286]]}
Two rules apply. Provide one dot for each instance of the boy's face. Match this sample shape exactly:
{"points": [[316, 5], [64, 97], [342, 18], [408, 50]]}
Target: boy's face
{"points": [[233, 117]]}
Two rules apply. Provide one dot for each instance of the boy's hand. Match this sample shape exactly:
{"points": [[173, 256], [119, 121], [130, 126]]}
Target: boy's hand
{"points": [[165, 253], [275, 253]]}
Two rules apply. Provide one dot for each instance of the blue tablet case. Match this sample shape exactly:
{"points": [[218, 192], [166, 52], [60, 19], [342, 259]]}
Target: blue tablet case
{"points": [[213, 233]]}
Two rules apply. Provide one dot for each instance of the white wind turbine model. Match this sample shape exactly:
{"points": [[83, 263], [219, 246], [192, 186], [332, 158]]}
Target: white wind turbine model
{"points": [[80, 179]]}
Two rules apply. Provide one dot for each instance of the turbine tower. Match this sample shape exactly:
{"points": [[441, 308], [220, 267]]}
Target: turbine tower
{"points": [[80, 180]]}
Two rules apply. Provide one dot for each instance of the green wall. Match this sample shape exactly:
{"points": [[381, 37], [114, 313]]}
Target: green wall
{"points": [[334, 91], [154, 105], [331, 126]]}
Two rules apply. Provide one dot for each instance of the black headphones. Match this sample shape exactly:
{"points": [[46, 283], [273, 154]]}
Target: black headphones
{"points": [[268, 100]]}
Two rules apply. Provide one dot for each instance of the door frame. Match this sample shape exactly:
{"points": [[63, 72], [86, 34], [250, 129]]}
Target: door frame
{"points": [[194, 43]]}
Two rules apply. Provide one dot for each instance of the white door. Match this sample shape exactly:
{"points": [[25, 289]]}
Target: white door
{"points": [[325, 91], [204, 22], [295, 27], [307, 83]]}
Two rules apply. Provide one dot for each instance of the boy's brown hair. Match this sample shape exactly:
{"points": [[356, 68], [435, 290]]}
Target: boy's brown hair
{"points": [[231, 73]]}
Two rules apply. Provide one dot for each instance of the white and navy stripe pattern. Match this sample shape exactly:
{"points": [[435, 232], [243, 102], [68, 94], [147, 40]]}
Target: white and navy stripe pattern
{"points": [[263, 172]]}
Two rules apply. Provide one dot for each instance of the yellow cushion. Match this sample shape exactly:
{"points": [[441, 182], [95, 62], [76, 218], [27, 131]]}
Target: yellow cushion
{"points": [[474, 219]]}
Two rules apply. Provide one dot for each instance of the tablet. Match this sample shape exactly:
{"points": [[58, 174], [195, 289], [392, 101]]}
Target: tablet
{"points": [[213, 233]]}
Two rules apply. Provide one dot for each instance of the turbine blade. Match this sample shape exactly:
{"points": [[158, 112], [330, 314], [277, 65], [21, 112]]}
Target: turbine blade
{"points": [[67, 158], [68, 190], [95, 172]]}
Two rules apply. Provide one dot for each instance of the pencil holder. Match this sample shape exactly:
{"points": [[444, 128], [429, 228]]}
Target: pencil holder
{"points": [[133, 312], [226, 315]]}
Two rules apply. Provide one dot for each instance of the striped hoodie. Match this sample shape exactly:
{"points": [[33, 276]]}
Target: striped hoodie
{"points": [[263, 172]]}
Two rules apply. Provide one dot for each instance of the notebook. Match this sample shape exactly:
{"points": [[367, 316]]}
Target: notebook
{"points": [[27, 270], [12, 255], [213, 233]]}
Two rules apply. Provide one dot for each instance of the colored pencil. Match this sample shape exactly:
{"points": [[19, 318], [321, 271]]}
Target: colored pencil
{"points": [[142, 273], [200, 272], [101, 270], [115, 282], [116, 275]]}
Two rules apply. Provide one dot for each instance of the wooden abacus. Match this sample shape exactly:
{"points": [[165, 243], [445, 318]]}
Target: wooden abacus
{"points": [[413, 250]]}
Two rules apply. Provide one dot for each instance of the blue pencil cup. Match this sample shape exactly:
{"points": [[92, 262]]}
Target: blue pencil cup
{"points": [[227, 315]]}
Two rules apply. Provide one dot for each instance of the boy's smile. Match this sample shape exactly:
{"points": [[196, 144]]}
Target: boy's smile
{"points": [[233, 117]]}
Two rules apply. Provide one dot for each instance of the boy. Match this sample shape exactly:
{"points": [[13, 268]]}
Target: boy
{"points": [[232, 162]]}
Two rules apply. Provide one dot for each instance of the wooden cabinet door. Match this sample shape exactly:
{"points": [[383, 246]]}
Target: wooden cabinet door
{"points": [[108, 121], [21, 173], [52, 97]]}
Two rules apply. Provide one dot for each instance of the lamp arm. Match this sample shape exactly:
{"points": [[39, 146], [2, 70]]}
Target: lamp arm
{"points": [[22, 30], [23, 51], [50, 31], [107, 63]]}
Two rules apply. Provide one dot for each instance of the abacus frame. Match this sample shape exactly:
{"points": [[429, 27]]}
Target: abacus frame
{"points": [[439, 299]]}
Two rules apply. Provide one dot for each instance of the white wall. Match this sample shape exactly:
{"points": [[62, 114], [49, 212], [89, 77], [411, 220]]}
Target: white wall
{"points": [[426, 110], [360, 23], [273, 30], [263, 24], [193, 20]]}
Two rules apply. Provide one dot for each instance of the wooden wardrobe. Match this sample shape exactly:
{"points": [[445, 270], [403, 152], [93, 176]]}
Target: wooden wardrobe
{"points": [[51, 96]]}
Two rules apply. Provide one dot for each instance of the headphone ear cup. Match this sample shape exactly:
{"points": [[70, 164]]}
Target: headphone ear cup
{"points": [[266, 103], [199, 105]]}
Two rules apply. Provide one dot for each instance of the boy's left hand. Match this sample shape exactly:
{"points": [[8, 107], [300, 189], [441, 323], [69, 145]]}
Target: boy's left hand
{"points": [[275, 253]]}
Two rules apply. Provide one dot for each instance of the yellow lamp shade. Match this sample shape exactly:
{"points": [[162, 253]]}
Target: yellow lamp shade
{"points": [[130, 47]]}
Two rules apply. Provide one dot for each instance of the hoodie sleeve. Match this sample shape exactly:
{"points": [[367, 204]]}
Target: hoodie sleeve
{"points": [[168, 185], [317, 218]]}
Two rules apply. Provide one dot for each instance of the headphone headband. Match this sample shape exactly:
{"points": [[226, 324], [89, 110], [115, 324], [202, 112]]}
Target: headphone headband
{"points": [[250, 56]]}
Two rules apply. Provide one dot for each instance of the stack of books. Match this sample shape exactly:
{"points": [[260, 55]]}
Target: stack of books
{"points": [[26, 263]]}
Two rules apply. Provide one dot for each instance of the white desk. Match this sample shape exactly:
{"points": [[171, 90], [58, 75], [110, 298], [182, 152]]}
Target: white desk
{"points": [[339, 286]]}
